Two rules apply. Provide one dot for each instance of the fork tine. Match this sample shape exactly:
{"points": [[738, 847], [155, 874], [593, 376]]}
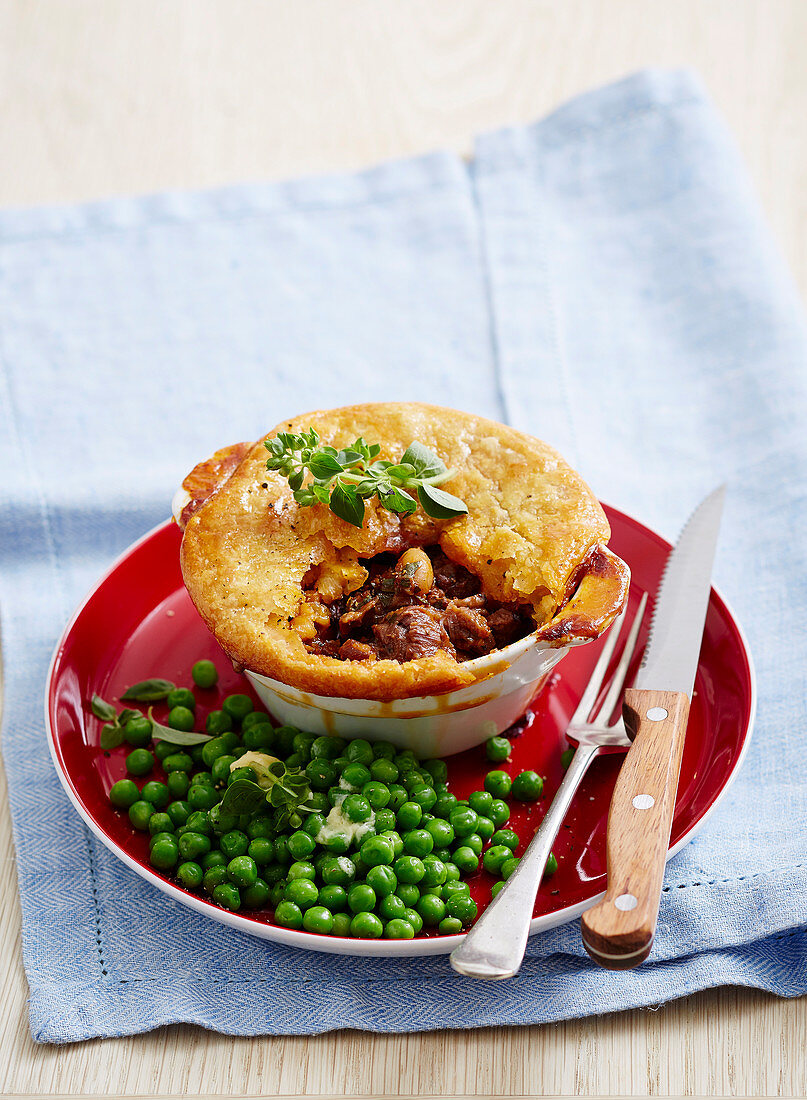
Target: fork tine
{"points": [[621, 670], [589, 698]]}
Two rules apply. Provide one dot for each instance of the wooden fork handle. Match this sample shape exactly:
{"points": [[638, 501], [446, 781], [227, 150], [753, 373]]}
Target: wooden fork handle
{"points": [[618, 931]]}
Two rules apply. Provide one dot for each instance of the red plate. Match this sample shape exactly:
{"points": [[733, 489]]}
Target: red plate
{"points": [[139, 622]]}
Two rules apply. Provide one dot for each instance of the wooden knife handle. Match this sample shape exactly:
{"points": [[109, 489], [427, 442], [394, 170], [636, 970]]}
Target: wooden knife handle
{"points": [[618, 931]]}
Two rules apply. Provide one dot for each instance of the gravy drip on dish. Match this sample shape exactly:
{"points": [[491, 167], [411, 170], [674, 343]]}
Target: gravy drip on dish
{"points": [[415, 606]]}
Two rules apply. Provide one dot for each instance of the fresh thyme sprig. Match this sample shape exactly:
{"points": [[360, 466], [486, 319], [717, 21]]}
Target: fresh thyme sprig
{"points": [[345, 479]]}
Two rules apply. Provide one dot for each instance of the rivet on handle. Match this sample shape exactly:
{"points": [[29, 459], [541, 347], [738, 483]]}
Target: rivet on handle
{"points": [[657, 714], [626, 902], [643, 802]]}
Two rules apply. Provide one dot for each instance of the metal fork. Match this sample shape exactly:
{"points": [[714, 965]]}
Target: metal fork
{"points": [[494, 947]]}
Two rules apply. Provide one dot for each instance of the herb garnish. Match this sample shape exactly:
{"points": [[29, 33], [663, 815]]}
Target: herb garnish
{"points": [[113, 729], [284, 790], [345, 479]]}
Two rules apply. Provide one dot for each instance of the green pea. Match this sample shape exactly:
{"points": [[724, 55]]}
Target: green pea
{"points": [[158, 834], [498, 783], [338, 870], [384, 771], [139, 814], [499, 812], [506, 837], [408, 893], [199, 822], [178, 784], [376, 794], [356, 775], [382, 879], [451, 888], [226, 895], [425, 796], [509, 866], [203, 798], [301, 868], [303, 892], [481, 802], [257, 895], [214, 877], [178, 762], [160, 823], [194, 845], [318, 919], [164, 854], [204, 674], [446, 801], [124, 794], [385, 821], [189, 875], [397, 796], [321, 774], [161, 749], [212, 859], [497, 749], [452, 871], [366, 926], [341, 924], [326, 748], [463, 907], [359, 751], [282, 853], [318, 802], [288, 915], [495, 856], [449, 926], [260, 826], [361, 898], [377, 851], [333, 897], [254, 719], [243, 871], [566, 758], [356, 808], [220, 770], [399, 929], [436, 872], [409, 869], [218, 722], [259, 737], [551, 865], [212, 750], [431, 908], [139, 762], [527, 786], [137, 732], [237, 706], [463, 821], [474, 842], [409, 815], [397, 843], [181, 718], [418, 842], [495, 888], [234, 843], [181, 697], [466, 859], [262, 850]]}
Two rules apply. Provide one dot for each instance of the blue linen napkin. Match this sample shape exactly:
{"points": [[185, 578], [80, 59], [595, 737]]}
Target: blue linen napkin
{"points": [[602, 279]]}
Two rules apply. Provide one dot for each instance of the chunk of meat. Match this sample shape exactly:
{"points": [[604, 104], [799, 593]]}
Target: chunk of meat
{"points": [[455, 580], [354, 650], [506, 625], [410, 633], [468, 629]]}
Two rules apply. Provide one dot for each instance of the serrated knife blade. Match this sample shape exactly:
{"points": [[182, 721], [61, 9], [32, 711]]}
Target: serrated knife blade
{"points": [[671, 656]]}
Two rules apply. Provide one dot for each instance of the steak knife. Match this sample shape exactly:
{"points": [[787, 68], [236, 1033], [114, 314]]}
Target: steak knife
{"points": [[618, 932]]}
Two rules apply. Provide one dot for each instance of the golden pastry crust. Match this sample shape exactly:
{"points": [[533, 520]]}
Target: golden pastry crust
{"points": [[531, 522]]}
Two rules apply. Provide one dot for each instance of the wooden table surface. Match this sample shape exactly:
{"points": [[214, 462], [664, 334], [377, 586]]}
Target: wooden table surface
{"points": [[99, 97]]}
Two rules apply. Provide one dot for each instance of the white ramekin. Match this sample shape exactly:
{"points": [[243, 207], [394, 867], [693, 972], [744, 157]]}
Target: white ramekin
{"points": [[429, 725]]}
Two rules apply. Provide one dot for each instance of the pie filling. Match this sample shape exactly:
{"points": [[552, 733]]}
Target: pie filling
{"points": [[413, 606]]}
